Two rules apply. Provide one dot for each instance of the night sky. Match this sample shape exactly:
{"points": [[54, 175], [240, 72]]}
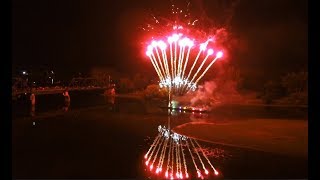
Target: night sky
{"points": [[72, 36]]}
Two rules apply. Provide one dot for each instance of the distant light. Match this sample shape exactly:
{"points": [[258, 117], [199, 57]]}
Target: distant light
{"points": [[175, 37], [148, 53], [154, 43], [150, 48], [162, 45], [203, 46], [50, 77]]}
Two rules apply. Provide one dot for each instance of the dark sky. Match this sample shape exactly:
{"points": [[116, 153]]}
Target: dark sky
{"points": [[76, 35]]}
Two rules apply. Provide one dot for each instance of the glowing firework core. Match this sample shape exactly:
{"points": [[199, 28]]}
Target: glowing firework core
{"points": [[171, 64]]}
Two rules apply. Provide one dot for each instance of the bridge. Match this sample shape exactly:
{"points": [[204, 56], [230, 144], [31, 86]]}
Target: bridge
{"points": [[20, 86]]}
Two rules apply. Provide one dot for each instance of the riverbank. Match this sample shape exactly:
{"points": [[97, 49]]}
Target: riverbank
{"points": [[280, 136], [248, 102]]}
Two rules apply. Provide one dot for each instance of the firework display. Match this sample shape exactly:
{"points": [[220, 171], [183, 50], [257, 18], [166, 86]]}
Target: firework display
{"points": [[167, 156], [170, 60], [181, 48]]}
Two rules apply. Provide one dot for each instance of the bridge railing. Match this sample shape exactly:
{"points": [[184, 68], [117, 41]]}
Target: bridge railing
{"points": [[75, 84]]}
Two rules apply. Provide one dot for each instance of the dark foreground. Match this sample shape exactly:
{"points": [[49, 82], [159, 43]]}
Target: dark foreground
{"points": [[109, 142]]}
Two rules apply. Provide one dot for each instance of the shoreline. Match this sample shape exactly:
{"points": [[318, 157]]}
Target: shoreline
{"points": [[285, 137]]}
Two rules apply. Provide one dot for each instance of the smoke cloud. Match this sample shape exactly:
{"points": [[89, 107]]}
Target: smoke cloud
{"points": [[224, 89]]}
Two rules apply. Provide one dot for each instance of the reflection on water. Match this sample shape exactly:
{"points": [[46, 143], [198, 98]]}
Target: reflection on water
{"points": [[216, 153], [172, 155], [37, 152], [110, 101], [33, 110], [56, 102]]}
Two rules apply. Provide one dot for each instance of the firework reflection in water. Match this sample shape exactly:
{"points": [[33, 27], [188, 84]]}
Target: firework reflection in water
{"points": [[167, 156]]}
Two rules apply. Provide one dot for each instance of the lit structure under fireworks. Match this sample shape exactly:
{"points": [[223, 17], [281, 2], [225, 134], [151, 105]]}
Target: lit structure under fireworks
{"points": [[178, 73], [168, 155]]}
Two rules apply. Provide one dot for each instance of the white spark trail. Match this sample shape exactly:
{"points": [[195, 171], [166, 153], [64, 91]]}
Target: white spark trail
{"points": [[156, 63], [205, 71], [153, 150], [204, 168], [215, 171], [164, 72], [194, 63], [199, 69], [152, 145], [156, 155], [195, 165]]}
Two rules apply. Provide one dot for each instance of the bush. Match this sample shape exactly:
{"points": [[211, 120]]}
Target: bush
{"points": [[272, 91], [153, 91], [295, 99]]}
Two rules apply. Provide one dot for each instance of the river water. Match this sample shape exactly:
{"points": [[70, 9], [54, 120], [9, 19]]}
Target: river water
{"points": [[96, 138]]}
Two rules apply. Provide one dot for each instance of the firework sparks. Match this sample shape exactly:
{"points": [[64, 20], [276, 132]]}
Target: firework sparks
{"points": [[215, 171], [181, 54], [153, 145], [171, 72], [171, 143], [179, 50], [204, 168]]}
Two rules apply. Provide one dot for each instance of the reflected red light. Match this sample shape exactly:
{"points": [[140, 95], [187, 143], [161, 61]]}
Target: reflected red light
{"points": [[206, 171], [199, 174], [219, 54]]}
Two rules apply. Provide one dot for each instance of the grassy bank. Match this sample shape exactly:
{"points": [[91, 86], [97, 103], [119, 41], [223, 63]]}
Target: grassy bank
{"points": [[289, 137]]}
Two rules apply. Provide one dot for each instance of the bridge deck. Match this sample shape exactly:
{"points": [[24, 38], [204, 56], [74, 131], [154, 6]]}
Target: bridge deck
{"points": [[57, 90]]}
